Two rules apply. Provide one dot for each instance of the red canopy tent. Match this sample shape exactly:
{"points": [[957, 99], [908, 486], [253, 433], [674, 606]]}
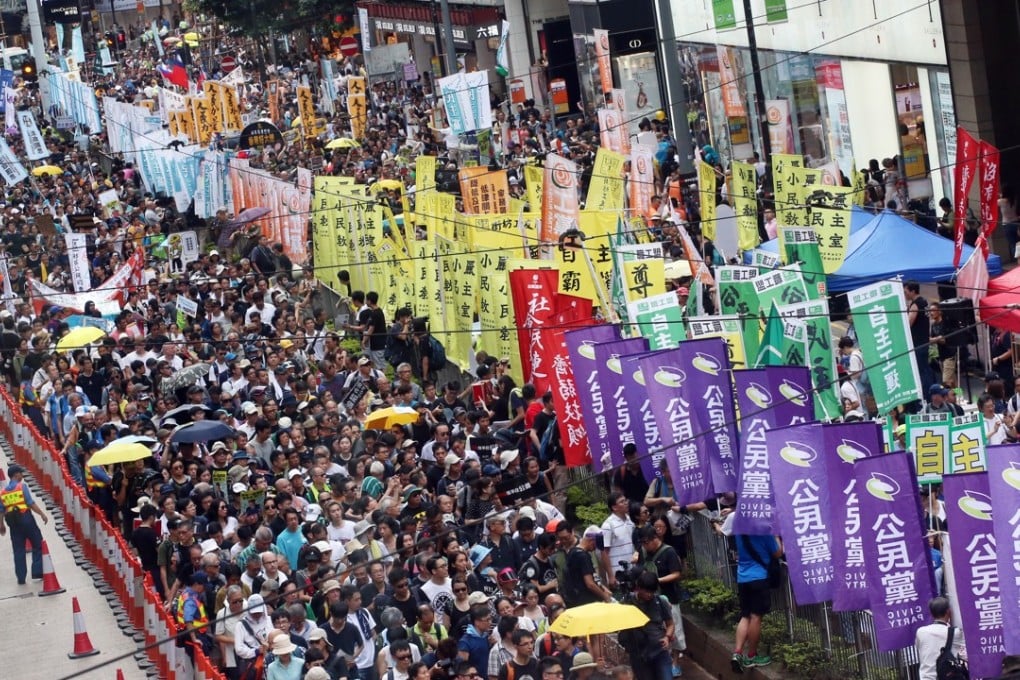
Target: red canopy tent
{"points": [[1003, 291]]}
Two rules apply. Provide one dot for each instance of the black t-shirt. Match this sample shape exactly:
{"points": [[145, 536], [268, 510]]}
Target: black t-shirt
{"points": [[666, 562], [92, 386], [575, 592], [374, 320], [538, 572], [921, 327], [346, 641], [528, 670], [408, 607], [146, 542]]}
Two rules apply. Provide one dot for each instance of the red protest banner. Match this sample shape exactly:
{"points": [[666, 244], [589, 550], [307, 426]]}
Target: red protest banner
{"points": [[963, 178], [989, 190], [533, 292]]}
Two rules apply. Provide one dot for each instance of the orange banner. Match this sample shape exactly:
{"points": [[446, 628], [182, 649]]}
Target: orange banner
{"points": [[642, 178], [729, 84], [485, 192], [560, 209], [602, 55], [610, 126]]}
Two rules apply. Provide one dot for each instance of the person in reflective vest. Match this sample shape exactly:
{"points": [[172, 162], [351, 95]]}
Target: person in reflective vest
{"points": [[189, 611], [97, 483], [18, 506]]}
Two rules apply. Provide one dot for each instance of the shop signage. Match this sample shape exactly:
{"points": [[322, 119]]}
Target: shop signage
{"points": [[725, 17], [461, 34], [61, 11], [258, 134], [775, 10]]}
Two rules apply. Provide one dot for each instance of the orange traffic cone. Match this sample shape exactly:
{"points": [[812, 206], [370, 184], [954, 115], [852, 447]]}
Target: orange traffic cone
{"points": [[82, 644], [51, 586]]}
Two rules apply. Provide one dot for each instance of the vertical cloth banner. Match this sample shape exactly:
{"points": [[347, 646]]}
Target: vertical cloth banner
{"points": [[533, 292], [706, 197], [1004, 489], [642, 178], [803, 513], [659, 319], [963, 177], [707, 365], [886, 345], [622, 422], [601, 36], [988, 188], [610, 123], [594, 404], [566, 398], [605, 191], [767, 398], [35, 146], [843, 445], [669, 399], [970, 512], [800, 244], [900, 578], [502, 55], [745, 204], [821, 359], [78, 261], [560, 208], [646, 439], [11, 168]]}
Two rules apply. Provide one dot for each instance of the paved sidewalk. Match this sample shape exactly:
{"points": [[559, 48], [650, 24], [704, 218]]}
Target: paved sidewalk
{"points": [[39, 631]]}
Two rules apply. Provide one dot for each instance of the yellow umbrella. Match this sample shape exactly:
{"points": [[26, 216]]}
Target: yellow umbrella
{"points": [[343, 143], [385, 418], [387, 184], [598, 618], [119, 452], [191, 39], [79, 337], [47, 170]]}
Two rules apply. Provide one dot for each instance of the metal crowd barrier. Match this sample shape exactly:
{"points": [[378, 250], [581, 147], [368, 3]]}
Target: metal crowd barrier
{"points": [[104, 548], [848, 638]]}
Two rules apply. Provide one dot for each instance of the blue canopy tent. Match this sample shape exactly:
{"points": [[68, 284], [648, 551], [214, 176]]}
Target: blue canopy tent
{"points": [[889, 245]]}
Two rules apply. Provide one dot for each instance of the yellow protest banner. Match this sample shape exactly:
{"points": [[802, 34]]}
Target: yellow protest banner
{"points": [[202, 117], [214, 95], [389, 290], [745, 204], [829, 213], [420, 262], [605, 191], [425, 173], [644, 278], [729, 328], [446, 216], [533, 178], [503, 233], [784, 189], [575, 276], [232, 121], [706, 195]]}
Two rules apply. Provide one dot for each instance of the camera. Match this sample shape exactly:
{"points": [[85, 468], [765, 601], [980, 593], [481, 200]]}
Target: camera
{"points": [[626, 577]]}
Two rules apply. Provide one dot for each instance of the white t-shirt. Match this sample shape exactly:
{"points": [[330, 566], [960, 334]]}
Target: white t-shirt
{"points": [[616, 536], [440, 595], [225, 624], [929, 641]]}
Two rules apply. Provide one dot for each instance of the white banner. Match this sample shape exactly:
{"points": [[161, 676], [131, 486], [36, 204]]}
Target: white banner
{"points": [[78, 261], [11, 168], [466, 98], [366, 30], [35, 146], [181, 249], [10, 121], [8, 296]]}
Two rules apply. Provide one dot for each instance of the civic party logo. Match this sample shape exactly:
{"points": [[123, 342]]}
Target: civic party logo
{"points": [[758, 395], [883, 487], [670, 376], [1011, 475], [706, 363], [587, 350], [639, 376], [976, 505], [850, 451], [799, 454], [613, 364], [793, 392]]}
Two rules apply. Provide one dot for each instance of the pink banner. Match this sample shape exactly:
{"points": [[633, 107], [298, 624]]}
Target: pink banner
{"points": [[963, 178], [610, 124], [560, 206], [642, 178], [989, 189], [289, 203]]}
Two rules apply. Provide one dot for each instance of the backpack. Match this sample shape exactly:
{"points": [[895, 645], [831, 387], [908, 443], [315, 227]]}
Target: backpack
{"points": [[948, 666], [549, 441], [438, 360], [774, 568]]}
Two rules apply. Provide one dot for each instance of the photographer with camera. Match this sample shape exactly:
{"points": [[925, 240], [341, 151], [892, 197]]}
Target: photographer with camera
{"points": [[649, 645], [661, 559]]}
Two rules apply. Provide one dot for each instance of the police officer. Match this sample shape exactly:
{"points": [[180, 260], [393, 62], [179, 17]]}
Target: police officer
{"points": [[18, 506]]}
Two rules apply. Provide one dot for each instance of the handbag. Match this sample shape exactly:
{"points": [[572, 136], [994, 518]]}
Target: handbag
{"points": [[948, 666], [774, 568]]}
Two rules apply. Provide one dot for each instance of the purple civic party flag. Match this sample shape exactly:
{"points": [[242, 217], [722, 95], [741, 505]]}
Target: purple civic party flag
{"points": [[802, 512], [707, 365], [846, 443], [646, 430], [1004, 488], [667, 384], [622, 417], [770, 397], [896, 555], [969, 511], [580, 347]]}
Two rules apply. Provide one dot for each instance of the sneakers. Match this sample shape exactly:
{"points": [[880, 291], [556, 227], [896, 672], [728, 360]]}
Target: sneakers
{"points": [[758, 660], [737, 662]]}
